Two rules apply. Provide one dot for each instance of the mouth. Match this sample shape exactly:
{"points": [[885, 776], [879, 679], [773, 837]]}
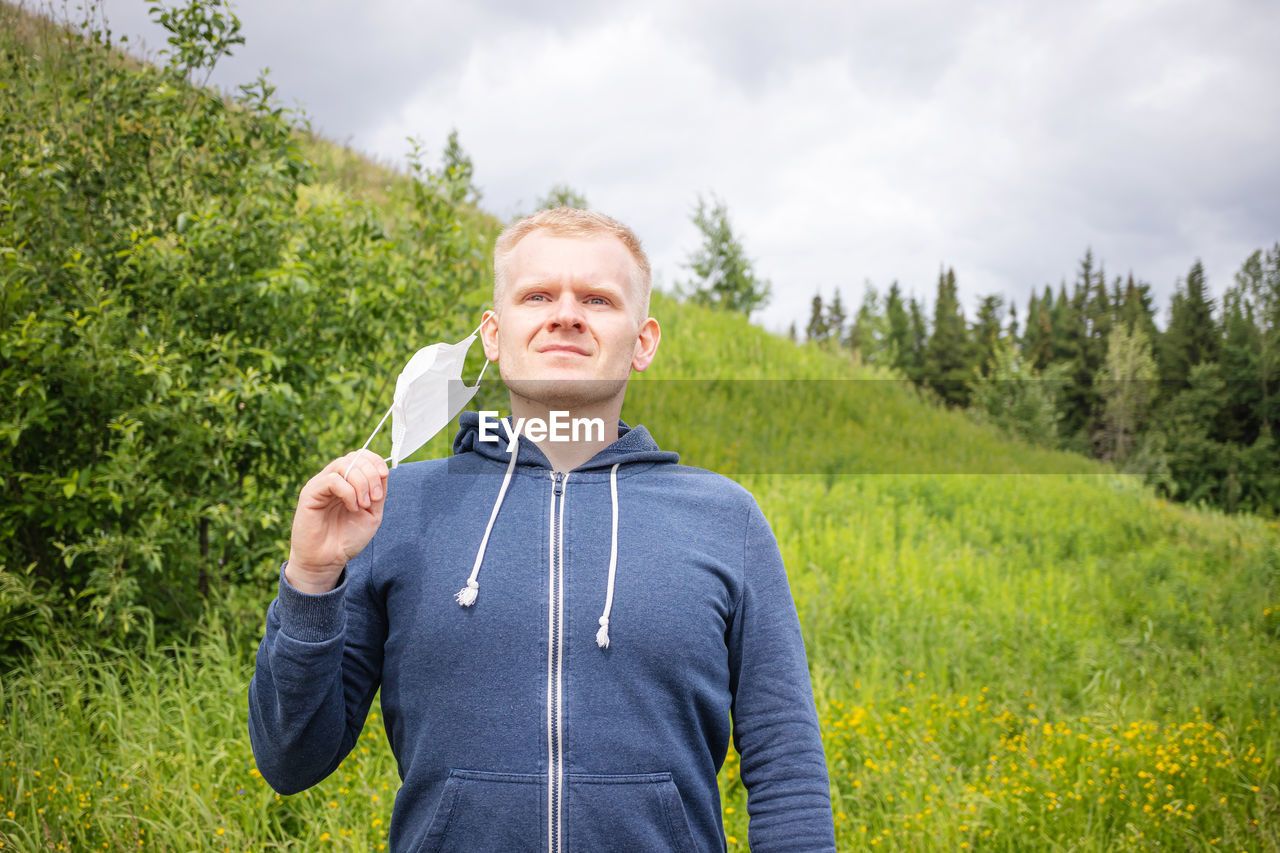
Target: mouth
{"points": [[563, 349]]}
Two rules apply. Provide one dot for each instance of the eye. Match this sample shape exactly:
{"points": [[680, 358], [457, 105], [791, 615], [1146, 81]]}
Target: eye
{"points": [[597, 300], [535, 297]]}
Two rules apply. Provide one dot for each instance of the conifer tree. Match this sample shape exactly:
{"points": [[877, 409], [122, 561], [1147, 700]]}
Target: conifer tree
{"points": [[898, 329], [817, 328], [1099, 318], [1136, 309], [948, 357], [914, 361], [1259, 284], [835, 320], [1062, 320], [1037, 335], [1239, 421], [1192, 336], [987, 332]]}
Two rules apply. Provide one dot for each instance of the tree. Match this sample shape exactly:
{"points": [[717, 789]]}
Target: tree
{"points": [[1258, 286], [1126, 381], [1017, 398], [817, 328], [869, 334], [947, 355], [723, 275], [562, 195], [1136, 309], [1238, 420], [458, 172], [986, 331], [898, 328], [913, 360], [183, 300], [1192, 337], [836, 317], [1037, 334]]}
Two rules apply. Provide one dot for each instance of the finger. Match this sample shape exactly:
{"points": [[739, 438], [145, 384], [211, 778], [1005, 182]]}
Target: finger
{"points": [[380, 464], [338, 487], [338, 465], [361, 481], [375, 464], [373, 477]]}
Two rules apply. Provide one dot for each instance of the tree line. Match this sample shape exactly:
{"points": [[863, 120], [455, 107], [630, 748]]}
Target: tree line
{"points": [[1192, 406]]}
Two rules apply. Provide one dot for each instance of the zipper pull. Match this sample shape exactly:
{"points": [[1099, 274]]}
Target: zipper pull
{"points": [[559, 481]]}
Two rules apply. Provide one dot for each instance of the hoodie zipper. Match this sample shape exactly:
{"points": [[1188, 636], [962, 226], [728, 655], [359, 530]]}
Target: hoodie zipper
{"points": [[555, 660]]}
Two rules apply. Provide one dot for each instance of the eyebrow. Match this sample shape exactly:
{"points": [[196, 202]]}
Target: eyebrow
{"points": [[519, 287]]}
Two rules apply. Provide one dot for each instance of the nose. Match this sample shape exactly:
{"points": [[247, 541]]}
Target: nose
{"points": [[567, 314]]}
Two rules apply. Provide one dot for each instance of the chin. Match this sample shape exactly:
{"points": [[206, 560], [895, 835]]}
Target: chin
{"points": [[566, 394]]}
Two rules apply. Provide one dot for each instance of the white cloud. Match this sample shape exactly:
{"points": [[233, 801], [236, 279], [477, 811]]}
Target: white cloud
{"points": [[875, 140]]}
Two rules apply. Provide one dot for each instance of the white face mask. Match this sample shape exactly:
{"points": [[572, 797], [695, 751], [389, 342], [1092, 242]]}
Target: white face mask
{"points": [[429, 395]]}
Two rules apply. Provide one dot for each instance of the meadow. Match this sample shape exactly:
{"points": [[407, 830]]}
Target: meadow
{"points": [[1049, 661]]}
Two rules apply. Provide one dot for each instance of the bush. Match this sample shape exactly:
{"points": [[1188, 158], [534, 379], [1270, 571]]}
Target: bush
{"points": [[188, 323]]}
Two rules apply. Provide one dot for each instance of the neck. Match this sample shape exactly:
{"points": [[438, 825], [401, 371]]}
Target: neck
{"points": [[567, 455]]}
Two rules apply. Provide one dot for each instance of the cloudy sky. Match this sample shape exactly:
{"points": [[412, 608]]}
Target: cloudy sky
{"points": [[874, 141]]}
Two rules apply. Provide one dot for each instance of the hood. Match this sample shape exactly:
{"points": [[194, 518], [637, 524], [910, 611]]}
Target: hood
{"points": [[634, 444]]}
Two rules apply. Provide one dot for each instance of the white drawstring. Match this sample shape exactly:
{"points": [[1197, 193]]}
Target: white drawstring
{"points": [[602, 636], [467, 595]]}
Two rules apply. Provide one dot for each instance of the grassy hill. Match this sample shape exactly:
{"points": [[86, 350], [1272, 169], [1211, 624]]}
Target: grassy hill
{"points": [[1010, 648]]}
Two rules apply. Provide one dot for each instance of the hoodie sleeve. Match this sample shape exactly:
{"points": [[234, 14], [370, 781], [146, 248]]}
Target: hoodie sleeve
{"points": [[317, 670], [775, 723]]}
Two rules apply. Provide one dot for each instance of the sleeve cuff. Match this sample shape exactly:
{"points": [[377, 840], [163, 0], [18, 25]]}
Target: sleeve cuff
{"points": [[311, 618]]}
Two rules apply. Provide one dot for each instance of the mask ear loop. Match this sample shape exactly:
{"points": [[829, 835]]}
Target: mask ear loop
{"points": [[369, 440]]}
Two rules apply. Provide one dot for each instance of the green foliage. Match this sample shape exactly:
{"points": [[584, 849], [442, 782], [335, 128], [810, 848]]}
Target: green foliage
{"points": [[562, 195], [816, 330], [948, 363], [200, 33], [1004, 657], [1018, 399], [1192, 336], [723, 275], [987, 331], [1251, 354], [457, 173], [1127, 383], [188, 323]]}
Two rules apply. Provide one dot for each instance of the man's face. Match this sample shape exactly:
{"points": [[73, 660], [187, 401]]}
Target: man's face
{"points": [[567, 329]]}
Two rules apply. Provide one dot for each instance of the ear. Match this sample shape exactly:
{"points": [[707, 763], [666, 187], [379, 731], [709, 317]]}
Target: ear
{"points": [[646, 345], [489, 334]]}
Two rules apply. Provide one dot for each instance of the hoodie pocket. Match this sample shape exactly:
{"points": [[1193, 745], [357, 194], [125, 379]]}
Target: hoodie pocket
{"points": [[482, 811], [634, 812]]}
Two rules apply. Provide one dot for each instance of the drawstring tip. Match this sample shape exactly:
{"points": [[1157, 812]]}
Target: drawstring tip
{"points": [[467, 595], [602, 636]]}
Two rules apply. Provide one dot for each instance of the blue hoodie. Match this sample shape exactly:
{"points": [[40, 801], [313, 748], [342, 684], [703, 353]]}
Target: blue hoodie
{"points": [[627, 619]]}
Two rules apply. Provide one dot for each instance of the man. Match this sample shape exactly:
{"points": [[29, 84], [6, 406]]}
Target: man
{"points": [[622, 617]]}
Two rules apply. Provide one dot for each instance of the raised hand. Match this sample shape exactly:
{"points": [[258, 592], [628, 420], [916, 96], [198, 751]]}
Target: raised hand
{"points": [[335, 519]]}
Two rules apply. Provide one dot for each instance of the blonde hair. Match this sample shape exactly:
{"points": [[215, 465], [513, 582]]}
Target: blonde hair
{"points": [[571, 222]]}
